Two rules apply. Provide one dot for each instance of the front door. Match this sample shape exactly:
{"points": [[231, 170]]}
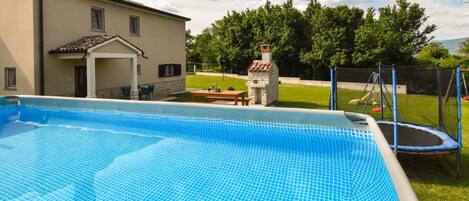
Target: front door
{"points": [[80, 81]]}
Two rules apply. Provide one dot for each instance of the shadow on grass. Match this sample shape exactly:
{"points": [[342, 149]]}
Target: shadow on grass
{"points": [[435, 169]]}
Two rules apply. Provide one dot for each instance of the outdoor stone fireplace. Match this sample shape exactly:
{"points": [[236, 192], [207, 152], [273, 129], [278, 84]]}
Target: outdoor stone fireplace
{"points": [[263, 79]]}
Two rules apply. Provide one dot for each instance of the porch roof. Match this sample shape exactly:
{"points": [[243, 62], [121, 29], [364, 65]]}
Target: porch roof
{"points": [[87, 43]]}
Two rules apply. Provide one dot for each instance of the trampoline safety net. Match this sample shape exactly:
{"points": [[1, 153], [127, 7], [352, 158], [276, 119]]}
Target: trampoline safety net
{"points": [[426, 96]]}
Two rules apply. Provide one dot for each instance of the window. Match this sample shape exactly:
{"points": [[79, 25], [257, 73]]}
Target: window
{"points": [[10, 78], [169, 70], [139, 69], [134, 26], [97, 19]]}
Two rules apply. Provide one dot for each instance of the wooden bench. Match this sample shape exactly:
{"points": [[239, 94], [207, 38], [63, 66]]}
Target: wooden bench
{"points": [[219, 95], [215, 98]]}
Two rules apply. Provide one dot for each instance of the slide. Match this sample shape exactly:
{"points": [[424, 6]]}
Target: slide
{"points": [[361, 100]]}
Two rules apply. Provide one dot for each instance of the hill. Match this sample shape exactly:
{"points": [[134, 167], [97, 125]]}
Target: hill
{"points": [[453, 44]]}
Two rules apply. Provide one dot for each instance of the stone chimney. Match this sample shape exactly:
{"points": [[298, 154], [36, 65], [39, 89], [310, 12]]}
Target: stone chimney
{"points": [[266, 51]]}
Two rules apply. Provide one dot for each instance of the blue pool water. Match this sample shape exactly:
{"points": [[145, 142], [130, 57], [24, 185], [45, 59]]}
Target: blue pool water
{"points": [[71, 154]]}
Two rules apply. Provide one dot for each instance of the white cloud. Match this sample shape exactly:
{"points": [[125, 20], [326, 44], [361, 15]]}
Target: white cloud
{"points": [[451, 16]]}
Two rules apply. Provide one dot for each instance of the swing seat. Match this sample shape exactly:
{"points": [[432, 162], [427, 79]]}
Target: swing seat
{"points": [[376, 109], [360, 100]]}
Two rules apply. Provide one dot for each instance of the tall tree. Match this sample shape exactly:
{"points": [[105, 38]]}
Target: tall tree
{"points": [[239, 34], [192, 55], [333, 35], [306, 43], [395, 37]]}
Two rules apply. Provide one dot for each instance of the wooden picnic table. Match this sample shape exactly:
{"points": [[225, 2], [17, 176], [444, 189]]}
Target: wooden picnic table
{"points": [[219, 95]]}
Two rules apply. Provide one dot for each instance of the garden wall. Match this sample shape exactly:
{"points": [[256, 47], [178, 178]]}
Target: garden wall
{"points": [[401, 89]]}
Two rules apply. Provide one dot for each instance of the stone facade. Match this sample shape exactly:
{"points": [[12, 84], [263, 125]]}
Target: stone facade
{"points": [[161, 89], [263, 79]]}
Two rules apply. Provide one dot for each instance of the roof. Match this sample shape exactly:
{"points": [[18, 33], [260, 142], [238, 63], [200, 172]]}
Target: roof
{"points": [[259, 66], [135, 4], [83, 44]]}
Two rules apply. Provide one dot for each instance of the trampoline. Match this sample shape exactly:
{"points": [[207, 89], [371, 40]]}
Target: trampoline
{"points": [[418, 108], [415, 138]]}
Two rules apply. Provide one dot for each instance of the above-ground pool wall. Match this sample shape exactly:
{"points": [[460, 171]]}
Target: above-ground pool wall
{"points": [[337, 119]]}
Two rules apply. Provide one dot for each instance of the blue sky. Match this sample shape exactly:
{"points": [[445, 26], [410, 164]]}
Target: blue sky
{"points": [[451, 16]]}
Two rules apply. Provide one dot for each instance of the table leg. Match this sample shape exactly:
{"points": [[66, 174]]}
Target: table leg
{"points": [[242, 99], [236, 100], [192, 98]]}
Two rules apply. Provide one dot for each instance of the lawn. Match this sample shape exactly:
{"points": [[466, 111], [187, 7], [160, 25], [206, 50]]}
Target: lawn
{"points": [[431, 176]]}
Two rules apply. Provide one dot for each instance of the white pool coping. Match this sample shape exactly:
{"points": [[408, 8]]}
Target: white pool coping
{"points": [[399, 178], [401, 182]]}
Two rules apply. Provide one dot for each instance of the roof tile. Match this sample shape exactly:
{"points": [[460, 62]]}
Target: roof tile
{"points": [[83, 44], [259, 66]]}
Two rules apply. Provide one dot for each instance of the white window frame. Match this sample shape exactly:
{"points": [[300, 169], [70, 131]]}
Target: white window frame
{"points": [[103, 28], [137, 20], [8, 85]]}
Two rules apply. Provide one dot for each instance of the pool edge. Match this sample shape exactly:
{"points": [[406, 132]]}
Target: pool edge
{"points": [[401, 182]]}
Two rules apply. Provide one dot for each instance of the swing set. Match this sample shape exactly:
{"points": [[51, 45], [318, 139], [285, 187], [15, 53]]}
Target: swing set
{"points": [[466, 94], [374, 95]]}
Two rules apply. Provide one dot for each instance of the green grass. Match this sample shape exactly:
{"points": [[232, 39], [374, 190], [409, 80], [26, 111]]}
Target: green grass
{"points": [[431, 176]]}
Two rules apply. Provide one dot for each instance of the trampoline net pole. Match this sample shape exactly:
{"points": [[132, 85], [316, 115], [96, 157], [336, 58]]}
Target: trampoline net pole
{"points": [[395, 107], [440, 107], [332, 101], [459, 97]]}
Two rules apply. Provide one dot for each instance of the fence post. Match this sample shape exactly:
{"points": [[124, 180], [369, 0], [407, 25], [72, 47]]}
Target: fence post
{"points": [[333, 88]]}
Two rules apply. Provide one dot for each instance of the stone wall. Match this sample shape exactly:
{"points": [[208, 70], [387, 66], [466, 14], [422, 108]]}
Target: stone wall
{"points": [[257, 83], [273, 86], [162, 89], [168, 87]]}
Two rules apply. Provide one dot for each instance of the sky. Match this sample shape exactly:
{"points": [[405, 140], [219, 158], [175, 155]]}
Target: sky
{"points": [[450, 16]]}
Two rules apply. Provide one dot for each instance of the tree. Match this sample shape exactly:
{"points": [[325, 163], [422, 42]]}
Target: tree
{"points": [[237, 37], [464, 48], [432, 53], [333, 35], [192, 55], [395, 37], [306, 43]]}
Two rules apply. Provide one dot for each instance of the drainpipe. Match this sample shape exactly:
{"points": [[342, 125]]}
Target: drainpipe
{"points": [[41, 47]]}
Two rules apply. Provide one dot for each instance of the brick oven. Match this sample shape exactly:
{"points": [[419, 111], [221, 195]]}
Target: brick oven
{"points": [[263, 79]]}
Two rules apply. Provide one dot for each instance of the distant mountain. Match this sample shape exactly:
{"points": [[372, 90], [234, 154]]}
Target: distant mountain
{"points": [[453, 44]]}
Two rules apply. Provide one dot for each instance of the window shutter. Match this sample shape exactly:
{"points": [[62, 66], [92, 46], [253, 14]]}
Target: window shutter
{"points": [[161, 70], [177, 69]]}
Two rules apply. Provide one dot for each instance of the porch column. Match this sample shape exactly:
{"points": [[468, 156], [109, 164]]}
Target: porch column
{"points": [[133, 79], [90, 76]]}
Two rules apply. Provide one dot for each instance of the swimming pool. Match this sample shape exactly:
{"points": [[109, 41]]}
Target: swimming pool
{"points": [[68, 149]]}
